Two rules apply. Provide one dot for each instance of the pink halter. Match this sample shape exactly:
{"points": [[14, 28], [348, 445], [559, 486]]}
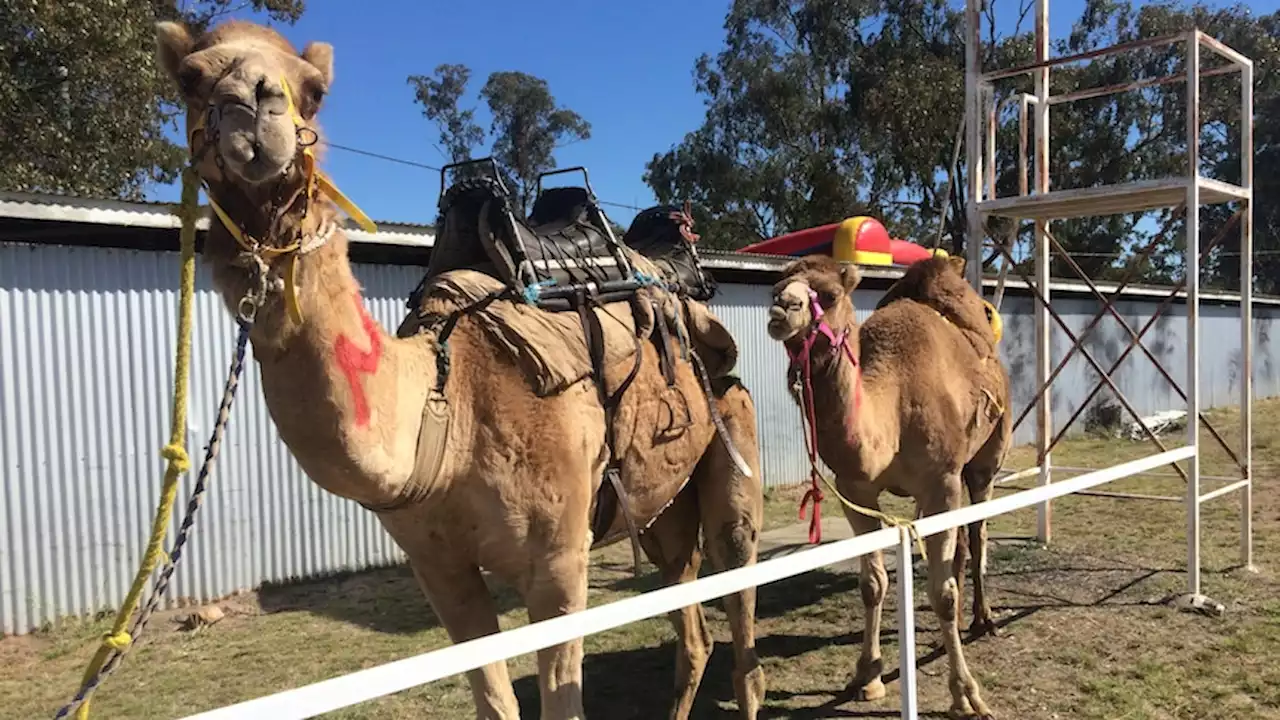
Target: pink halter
{"points": [[803, 359]]}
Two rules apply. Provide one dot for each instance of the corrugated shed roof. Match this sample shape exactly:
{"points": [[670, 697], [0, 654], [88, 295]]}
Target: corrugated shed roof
{"points": [[121, 213], [751, 267]]}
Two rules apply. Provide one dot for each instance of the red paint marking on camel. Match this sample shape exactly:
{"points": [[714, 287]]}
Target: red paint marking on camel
{"points": [[353, 361]]}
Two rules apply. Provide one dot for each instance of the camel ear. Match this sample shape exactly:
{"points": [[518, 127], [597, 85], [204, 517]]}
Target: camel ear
{"points": [[850, 276], [957, 263], [320, 55], [173, 45]]}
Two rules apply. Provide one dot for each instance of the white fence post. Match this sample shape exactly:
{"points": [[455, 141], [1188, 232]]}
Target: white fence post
{"points": [[906, 626]]}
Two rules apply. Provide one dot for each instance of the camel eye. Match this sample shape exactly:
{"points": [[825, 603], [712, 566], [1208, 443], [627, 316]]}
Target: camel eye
{"points": [[316, 94], [189, 80]]}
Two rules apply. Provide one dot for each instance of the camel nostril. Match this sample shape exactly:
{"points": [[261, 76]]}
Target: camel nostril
{"points": [[241, 149]]}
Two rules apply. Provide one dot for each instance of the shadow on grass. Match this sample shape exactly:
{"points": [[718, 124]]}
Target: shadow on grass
{"points": [[639, 684], [384, 600]]}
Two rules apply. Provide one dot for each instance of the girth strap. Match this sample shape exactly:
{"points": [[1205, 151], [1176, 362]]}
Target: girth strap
{"points": [[664, 347], [611, 496], [701, 371]]}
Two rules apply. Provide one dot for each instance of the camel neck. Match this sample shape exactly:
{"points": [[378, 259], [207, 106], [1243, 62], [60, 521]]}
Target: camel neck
{"points": [[824, 356], [332, 383]]}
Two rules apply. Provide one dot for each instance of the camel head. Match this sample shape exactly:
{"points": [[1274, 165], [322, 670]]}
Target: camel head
{"points": [[251, 102], [813, 277]]}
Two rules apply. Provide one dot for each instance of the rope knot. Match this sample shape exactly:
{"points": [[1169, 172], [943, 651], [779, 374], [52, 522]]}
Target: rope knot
{"points": [[117, 641], [177, 457], [814, 493]]}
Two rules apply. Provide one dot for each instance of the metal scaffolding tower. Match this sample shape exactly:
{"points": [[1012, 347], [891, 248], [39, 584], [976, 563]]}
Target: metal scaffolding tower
{"points": [[1042, 205]]}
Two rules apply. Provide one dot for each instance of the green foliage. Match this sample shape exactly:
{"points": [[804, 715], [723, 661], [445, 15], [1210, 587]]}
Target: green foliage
{"points": [[439, 95], [822, 109], [526, 127], [813, 117], [83, 104]]}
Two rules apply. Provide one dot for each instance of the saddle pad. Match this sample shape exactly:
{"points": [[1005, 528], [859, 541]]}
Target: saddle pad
{"points": [[549, 347], [711, 339]]}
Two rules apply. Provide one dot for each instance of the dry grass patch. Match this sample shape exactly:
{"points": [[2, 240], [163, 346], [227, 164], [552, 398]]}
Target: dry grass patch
{"points": [[1085, 634]]}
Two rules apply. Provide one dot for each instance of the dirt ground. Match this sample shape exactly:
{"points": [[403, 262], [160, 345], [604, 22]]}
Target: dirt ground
{"points": [[1086, 633]]}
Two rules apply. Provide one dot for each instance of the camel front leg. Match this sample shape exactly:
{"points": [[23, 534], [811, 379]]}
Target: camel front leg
{"points": [[461, 600], [944, 596], [558, 586], [873, 583]]}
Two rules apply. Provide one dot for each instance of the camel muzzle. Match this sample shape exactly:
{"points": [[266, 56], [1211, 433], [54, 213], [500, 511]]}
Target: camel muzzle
{"points": [[259, 144]]}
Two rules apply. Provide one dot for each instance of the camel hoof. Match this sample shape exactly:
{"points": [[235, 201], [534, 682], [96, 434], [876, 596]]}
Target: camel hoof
{"points": [[865, 692], [969, 715], [985, 626]]}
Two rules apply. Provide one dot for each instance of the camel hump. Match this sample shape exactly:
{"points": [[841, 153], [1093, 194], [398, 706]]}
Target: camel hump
{"points": [[938, 283]]}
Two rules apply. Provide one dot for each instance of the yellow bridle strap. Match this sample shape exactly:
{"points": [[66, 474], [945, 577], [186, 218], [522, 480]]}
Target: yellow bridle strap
{"points": [[317, 179], [246, 243], [268, 253]]}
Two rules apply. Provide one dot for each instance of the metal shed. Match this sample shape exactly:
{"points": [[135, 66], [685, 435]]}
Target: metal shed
{"points": [[88, 303]]}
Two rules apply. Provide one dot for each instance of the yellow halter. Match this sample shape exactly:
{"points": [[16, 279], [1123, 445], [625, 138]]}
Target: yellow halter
{"points": [[315, 180]]}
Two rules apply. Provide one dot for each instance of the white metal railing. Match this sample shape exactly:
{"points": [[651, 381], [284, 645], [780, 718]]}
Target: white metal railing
{"points": [[363, 685]]}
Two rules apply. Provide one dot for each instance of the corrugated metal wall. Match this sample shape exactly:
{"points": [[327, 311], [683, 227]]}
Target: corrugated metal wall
{"points": [[86, 371], [86, 336]]}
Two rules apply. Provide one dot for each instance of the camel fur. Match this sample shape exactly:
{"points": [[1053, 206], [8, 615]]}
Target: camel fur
{"points": [[518, 471], [928, 419]]}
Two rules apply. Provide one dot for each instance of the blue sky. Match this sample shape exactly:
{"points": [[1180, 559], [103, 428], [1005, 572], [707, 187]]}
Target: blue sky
{"points": [[627, 67]]}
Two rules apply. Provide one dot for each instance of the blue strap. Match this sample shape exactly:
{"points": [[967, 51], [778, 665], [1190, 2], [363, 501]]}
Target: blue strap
{"points": [[534, 291]]}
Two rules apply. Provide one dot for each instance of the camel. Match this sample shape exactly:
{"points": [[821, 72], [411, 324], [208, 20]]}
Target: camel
{"points": [[914, 402], [484, 475]]}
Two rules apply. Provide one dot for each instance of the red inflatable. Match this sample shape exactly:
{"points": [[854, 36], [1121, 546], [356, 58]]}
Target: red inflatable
{"points": [[862, 240]]}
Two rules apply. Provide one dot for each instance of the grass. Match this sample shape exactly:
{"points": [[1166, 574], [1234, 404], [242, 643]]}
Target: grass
{"points": [[1086, 634]]}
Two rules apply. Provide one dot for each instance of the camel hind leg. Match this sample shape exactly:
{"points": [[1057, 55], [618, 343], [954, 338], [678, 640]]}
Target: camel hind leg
{"points": [[979, 478], [672, 544], [731, 507]]}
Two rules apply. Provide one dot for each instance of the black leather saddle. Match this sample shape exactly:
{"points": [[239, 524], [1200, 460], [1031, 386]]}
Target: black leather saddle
{"points": [[664, 234], [564, 250], [563, 257]]}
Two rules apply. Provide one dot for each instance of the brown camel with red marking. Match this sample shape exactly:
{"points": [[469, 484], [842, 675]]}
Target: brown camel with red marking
{"points": [[510, 486], [914, 402]]}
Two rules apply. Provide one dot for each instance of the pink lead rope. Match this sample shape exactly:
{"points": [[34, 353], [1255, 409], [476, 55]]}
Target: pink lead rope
{"points": [[803, 356]]}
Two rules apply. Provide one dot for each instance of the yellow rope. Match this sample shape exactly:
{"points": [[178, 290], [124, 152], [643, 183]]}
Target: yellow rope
{"points": [[884, 517], [178, 461]]}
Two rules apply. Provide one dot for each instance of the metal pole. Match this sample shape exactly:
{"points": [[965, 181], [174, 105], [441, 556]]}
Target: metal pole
{"points": [[1246, 316], [1043, 330], [974, 233], [989, 92], [907, 626], [1193, 310]]}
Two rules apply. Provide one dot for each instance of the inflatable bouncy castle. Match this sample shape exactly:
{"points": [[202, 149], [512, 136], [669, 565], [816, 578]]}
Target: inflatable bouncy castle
{"points": [[862, 240]]}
